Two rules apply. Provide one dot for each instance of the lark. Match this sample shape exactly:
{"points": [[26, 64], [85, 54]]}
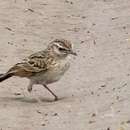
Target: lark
{"points": [[44, 67]]}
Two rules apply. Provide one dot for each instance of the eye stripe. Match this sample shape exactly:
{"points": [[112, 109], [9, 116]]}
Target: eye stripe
{"points": [[62, 43], [62, 49]]}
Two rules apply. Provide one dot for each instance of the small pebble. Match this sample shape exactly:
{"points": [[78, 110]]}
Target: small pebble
{"points": [[31, 10], [128, 121], [90, 122], [43, 124], [82, 42], [92, 93], [83, 17], [114, 18], [94, 42], [39, 112], [124, 27], [46, 114], [93, 115], [55, 114], [103, 86], [17, 94], [8, 28]]}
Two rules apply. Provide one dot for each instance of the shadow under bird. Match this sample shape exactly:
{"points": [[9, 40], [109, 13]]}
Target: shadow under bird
{"points": [[44, 67]]}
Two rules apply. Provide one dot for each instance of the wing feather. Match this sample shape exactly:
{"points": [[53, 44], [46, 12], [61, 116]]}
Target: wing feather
{"points": [[35, 63]]}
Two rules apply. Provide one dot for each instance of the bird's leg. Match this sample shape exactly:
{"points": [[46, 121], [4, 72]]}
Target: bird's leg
{"points": [[32, 94], [56, 98], [30, 87]]}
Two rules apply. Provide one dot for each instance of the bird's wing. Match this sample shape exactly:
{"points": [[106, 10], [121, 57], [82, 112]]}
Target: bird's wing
{"points": [[39, 61], [35, 63]]}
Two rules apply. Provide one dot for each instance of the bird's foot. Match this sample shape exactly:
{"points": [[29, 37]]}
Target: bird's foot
{"points": [[56, 98], [29, 89]]}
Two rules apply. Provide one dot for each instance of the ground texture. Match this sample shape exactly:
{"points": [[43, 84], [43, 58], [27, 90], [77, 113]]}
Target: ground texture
{"points": [[95, 92]]}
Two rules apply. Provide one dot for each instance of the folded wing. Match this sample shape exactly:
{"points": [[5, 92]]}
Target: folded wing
{"points": [[33, 64]]}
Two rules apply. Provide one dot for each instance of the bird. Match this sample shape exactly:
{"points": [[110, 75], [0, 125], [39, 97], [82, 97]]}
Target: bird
{"points": [[44, 67]]}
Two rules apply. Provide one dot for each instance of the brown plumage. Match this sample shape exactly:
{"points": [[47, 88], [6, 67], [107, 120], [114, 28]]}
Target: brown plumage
{"points": [[43, 67]]}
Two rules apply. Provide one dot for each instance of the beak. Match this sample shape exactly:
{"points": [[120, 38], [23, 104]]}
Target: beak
{"points": [[73, 53]]}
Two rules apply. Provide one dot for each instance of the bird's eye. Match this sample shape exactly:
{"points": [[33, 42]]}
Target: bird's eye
{"points": [[62, 49]]}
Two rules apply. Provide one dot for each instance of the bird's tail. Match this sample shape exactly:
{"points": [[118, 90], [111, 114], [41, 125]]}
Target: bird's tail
{"points": [[20, 69], [5, 76]]}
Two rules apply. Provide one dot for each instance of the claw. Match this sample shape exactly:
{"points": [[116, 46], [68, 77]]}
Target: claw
{"points": [[29, 89], [56, 98]]}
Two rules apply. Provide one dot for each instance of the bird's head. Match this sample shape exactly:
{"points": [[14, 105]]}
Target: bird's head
{"points": [[61, 47]]}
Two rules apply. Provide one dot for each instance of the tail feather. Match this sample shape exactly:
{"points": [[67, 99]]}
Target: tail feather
{"points": [[5, 76]]}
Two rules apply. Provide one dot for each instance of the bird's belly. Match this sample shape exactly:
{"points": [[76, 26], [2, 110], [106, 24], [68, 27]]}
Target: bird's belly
{"points": [[53, 74]]}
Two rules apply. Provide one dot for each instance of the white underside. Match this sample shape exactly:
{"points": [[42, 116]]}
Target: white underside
{"points": [[52, 75]]}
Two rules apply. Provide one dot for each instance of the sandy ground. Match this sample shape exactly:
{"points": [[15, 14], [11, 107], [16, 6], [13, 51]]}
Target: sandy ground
{"points": [[95, 93]]}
